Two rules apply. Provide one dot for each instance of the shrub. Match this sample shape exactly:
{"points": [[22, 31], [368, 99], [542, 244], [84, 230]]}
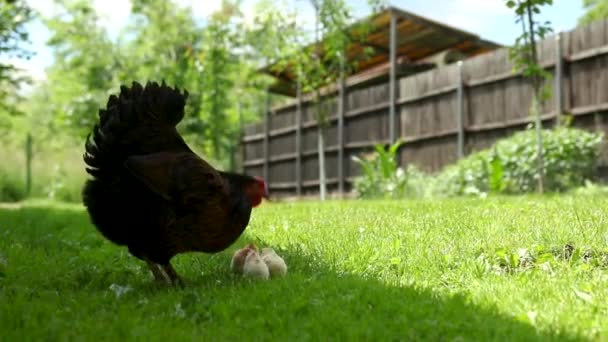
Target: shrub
{"points": [[510, 166], [12, 189], [381, 175], [57, 173], [383, 178]]}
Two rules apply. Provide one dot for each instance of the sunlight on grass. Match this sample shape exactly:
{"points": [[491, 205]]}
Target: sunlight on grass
{"points": [[391, 270]]}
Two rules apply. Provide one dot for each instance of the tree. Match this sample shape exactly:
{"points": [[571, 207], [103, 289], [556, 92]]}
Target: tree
{"points": [[220, 71], [595, 10], [525, 56], [162, 41], [85, 70], [14, 15]]}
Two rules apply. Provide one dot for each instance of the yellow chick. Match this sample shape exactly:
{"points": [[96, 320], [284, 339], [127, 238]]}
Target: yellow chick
{"points": [[276, 264], [255, 267], [238, 258]]}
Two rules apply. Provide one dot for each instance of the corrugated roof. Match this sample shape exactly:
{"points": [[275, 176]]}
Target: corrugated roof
{"points": [[417, 38]]}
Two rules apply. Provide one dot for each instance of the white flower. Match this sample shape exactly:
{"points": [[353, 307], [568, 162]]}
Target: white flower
{"points": [[120, 290]]}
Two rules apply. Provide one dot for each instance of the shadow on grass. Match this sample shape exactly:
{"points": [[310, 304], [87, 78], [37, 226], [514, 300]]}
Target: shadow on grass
{"points": [[313, 302]]}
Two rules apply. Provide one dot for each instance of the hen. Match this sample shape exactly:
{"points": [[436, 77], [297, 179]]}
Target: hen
{"points": [[150, 192]]}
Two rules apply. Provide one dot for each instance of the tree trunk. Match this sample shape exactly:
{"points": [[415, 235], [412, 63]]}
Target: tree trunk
{"points": [[536, 81], [539, 145]]}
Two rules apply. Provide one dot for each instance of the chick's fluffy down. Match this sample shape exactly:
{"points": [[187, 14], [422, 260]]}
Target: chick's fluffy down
{"points": [[276, 264], [238, 259], [255, 267]]}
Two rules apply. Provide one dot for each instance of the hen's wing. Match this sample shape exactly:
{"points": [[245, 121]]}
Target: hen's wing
{"points": [[181, 178], [198, 197]]}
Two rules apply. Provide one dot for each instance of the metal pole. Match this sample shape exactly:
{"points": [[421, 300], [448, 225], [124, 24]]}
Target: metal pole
{"points": [[235, 164], [299, 141], [392, 87], [460, 111], [559, 76], [341, 110]]}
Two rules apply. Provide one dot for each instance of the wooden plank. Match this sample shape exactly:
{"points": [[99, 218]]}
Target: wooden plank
{"points": [[254, 162], [367, 109], [256, 137], [585, 110], [330, 149], [364, 144], [283, 157], [559, 76], [313, 123], [492, 79], [315, 182], [426, 95], [431, 136], [282, 185], [507, 124], [587, 54], [283, 131], [502, 76]]}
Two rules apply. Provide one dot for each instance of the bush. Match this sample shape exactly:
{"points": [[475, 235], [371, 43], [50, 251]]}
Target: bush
{"points": [[591, 189], [510, 166], [381, 175], [12, 189], [383, 178], [57, 173]]}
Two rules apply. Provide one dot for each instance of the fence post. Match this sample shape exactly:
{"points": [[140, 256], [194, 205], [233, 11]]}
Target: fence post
{"points": [[266, 137], [559, 76], [28, 164], [393, 67], [299, 140], [235, 150], [460, 111], [341, 110]]}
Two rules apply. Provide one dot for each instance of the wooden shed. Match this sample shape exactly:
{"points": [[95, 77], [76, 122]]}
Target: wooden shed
{"points": [[412, 42], [366, 103]]}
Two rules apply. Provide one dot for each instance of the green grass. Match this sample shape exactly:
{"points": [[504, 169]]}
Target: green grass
{"points": [[368, 270]]}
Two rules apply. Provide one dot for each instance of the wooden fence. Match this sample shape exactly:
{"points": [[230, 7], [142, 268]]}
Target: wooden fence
{"points": [[441, 114]]}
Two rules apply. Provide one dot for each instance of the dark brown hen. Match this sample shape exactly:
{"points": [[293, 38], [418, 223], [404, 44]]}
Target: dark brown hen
{"points": [[150, 192]]}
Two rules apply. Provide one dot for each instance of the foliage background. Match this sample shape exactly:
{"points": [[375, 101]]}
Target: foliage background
{"points": [[215, 60]]}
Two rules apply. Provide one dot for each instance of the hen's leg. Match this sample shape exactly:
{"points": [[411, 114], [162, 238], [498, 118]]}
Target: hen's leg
{"points": [[170, 271], [156, 271]]}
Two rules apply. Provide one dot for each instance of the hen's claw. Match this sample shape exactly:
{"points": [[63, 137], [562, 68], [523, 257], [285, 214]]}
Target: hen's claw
{"points": [[157, 272], [173, 276]]}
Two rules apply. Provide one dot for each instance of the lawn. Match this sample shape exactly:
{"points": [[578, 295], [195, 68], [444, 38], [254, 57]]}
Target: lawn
{"points": [[467, 269]]}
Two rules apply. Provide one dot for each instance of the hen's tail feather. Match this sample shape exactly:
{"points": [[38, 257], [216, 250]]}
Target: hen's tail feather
{"points": [[135, 106]]}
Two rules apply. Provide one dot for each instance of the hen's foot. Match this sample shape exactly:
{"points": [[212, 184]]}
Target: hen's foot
{"points": [[159, 276], [170, 272]]}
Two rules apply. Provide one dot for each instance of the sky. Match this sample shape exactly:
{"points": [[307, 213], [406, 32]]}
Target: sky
{"points": [[489, 19]]}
